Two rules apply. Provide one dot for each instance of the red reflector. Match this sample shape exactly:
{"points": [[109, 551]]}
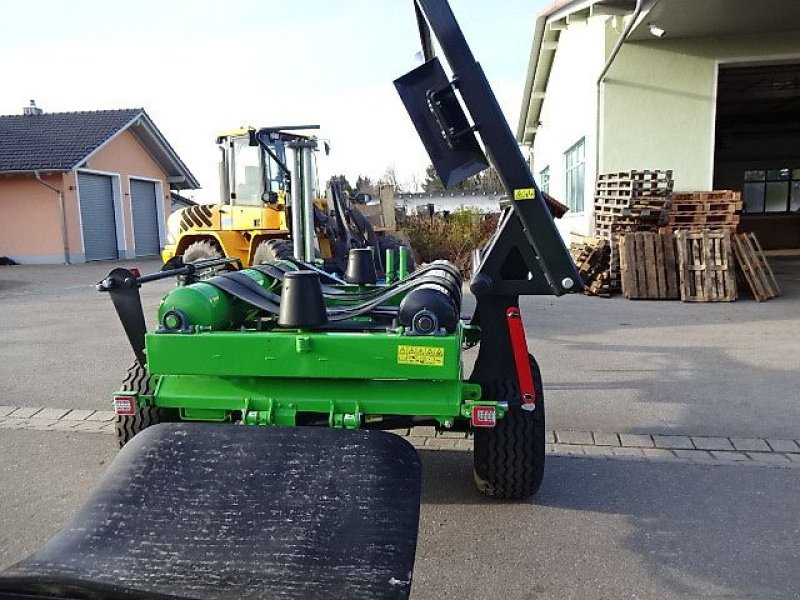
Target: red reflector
{"points": [[125, 406], [135, 272], [483, 416]]}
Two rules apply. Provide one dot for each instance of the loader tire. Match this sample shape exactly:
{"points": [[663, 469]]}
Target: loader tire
{"points": [[509, 458], [392, 242], [200, 250], [275, 249], [138, 380]]}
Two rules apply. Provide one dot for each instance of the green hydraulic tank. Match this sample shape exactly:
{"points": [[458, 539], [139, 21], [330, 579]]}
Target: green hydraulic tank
{"points": [[203, 304]]}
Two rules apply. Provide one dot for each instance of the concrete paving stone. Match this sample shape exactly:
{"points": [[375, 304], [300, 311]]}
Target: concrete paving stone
{"points": [[750, 444], [673, 441], [7, 410], [568, 449], [101, 415], [25, 412], [40, 424], [606, 439], [783, 445], [583, 438], [441, 442], [599, 451], [14, 423], [89, 426], [78, 414], [628, 452], [795, 458], [711, 443], [661, 454], [729, 456], [63, 425], [636, 440], [426, 431], [550, 449], [52, 413], [695, 455], [464, 445], [773, 458], [549, 437], [453, 435]]}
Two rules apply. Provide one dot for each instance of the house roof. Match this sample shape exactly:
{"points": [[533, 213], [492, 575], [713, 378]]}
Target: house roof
{"points": [[680, 19], [65, 141]]}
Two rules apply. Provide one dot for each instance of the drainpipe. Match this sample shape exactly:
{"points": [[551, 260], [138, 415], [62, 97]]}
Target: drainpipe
{"points": [[622, 39], [62, 212]]}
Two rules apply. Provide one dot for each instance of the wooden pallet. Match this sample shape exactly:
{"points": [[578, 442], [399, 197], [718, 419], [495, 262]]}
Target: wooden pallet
{"points": [[705, 265], [648, 266], [754, 266], [636, 175]]}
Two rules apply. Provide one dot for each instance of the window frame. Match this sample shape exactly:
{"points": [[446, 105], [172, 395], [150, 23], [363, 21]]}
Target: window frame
{"points": [[544, 180], [750, 179], [575, 165]]}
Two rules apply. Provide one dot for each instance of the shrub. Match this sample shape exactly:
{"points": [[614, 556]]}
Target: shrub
{"points": [[452, 237]]}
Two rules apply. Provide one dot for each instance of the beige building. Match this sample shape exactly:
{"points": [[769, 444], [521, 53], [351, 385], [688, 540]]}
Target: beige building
{"points": [[83, 186], [707, 88]]}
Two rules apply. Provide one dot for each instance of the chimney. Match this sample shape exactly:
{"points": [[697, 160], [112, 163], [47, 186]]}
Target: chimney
{"points": [[32, 110]]}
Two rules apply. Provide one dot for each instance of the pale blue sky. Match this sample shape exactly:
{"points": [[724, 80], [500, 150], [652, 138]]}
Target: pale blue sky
{"points": [[202, 67]]}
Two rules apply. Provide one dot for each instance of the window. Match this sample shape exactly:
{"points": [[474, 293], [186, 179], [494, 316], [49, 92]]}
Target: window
{"points": [[772, 190], [575, 163], [544, 180]]}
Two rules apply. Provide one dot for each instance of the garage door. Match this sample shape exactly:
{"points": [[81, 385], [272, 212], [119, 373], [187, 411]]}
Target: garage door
{"points": [[145, 218], [97, 217]]}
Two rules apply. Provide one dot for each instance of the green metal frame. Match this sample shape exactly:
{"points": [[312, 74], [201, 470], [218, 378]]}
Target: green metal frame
{"points": [[281, 377]]}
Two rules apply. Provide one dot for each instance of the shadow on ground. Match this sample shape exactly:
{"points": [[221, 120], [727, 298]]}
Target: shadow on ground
{"points": [[612, 529]]}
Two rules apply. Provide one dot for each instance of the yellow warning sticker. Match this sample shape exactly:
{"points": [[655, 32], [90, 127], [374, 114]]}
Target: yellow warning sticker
{"points": [[525, 194], [423, 356]]}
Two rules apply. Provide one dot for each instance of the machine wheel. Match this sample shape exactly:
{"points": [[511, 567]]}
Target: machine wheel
{"points": [[274, 249], [509, 458], [138, 380], [392, 242], [200, 250]]}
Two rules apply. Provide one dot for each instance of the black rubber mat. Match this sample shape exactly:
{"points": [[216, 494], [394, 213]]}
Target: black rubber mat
{"points": [[226, 511]]}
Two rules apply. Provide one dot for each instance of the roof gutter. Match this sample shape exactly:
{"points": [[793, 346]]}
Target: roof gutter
{"points": [[61, 211], [637, 11]]}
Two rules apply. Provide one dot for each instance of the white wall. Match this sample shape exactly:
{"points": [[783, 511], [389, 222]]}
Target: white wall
{"points": [[569, 114]]}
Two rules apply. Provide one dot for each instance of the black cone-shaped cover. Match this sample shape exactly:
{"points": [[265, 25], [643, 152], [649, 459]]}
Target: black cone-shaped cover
{"points": [[361, 267], [302, 304]]}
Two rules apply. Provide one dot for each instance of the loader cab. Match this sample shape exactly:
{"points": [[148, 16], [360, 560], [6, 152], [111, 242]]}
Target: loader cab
{"points": [[250, 175]]}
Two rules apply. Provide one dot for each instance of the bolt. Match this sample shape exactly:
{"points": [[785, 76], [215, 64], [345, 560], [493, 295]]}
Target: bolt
{"points": [[448, 424], [567, 283]]}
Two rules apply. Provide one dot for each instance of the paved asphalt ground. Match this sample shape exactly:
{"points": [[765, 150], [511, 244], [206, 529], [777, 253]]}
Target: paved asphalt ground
{"points": [[599, 528]]}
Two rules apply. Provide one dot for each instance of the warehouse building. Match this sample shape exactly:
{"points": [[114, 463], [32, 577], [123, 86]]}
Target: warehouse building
{"points": [[83, 186], [709, 89]]}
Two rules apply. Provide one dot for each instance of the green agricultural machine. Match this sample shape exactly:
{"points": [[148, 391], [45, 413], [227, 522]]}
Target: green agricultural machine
{"points": [[251, 464], [285, 344]]}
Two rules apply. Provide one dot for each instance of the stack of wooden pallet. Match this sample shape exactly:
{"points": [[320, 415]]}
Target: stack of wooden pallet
{"points": [[591, 256], [629, 201], [706, 210]]}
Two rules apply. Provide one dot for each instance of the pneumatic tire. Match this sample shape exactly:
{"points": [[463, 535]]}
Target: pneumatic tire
{"points": [[509, 458], [138, 380], [201, 250], [274, 249]]}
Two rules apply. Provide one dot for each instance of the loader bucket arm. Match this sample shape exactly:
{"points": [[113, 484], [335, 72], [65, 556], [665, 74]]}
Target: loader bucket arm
{"points": [[203, 511]]}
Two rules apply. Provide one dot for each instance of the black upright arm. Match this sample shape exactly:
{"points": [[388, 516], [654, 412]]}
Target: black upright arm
{"points": [[527, 254]]}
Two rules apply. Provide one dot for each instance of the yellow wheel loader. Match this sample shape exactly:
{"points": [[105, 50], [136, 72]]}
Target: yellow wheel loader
{"points": [[272, 207]]}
